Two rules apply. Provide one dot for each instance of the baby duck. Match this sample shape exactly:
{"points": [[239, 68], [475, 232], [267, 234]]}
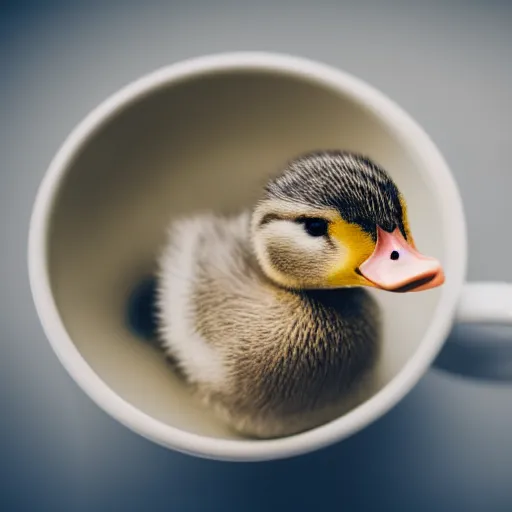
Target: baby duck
{"points": [[265, 314]]}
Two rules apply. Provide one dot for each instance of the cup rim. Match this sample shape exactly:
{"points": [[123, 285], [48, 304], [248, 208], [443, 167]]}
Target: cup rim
{"points": [[394, 117]]}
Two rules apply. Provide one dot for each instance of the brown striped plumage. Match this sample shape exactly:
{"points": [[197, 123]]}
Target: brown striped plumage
{"points": [[244, 308]]}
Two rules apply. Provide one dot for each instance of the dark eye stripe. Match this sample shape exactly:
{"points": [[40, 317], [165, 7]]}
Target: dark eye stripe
{"points": [[269, 217]]}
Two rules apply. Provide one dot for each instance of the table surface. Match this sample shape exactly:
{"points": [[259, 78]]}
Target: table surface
{"points": [[447, 445]]}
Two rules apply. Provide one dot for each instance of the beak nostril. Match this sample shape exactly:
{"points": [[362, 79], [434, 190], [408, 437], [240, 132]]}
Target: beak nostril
{"points": [[394, 255]]}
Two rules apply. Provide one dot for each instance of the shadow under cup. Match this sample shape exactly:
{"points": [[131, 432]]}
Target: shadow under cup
{"points": [[206, 142]]}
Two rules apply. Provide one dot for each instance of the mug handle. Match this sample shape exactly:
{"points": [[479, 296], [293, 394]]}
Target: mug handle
{"points": [[485, 303], [478, 346]]}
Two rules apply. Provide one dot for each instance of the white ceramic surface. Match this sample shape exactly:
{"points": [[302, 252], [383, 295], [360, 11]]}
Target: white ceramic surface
{"points": [[204, 134]]}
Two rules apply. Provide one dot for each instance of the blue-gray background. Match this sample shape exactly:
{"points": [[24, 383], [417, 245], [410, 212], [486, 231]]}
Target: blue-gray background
{"points": [[448, 445]]}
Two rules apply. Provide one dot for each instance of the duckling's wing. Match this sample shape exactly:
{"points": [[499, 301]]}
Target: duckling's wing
{"points": [[204, 270]]}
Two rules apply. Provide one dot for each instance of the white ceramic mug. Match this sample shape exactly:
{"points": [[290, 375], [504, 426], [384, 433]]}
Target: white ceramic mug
{"points": [[204, 134]]}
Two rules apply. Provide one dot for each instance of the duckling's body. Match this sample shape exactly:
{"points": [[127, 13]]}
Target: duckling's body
{"points": [[264, 313], [271, 361]]}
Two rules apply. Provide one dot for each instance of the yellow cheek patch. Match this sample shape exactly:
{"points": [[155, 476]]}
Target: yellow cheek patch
{"points": [[405, 220], [359, 246]]}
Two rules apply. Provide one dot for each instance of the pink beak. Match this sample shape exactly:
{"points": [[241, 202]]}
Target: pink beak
{"points": [[398, 267]]}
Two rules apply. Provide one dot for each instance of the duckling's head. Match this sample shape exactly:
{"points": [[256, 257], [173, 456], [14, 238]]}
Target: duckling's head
{"points": [[336, 219]]}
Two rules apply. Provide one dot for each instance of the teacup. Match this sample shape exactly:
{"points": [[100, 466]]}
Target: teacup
{"points": [[204, 134]]}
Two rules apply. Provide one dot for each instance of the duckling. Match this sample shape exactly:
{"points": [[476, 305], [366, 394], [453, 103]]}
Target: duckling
{"points": [[267, 315]]}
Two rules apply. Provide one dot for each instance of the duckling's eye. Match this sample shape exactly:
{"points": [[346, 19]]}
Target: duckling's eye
{"points": [[314, 226]]}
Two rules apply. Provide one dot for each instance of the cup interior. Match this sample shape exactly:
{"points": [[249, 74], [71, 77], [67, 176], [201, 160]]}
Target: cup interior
{"points": [[208, 141]]}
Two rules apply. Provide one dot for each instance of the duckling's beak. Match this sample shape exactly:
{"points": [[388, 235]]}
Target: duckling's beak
{"points": [[396, 266]]}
